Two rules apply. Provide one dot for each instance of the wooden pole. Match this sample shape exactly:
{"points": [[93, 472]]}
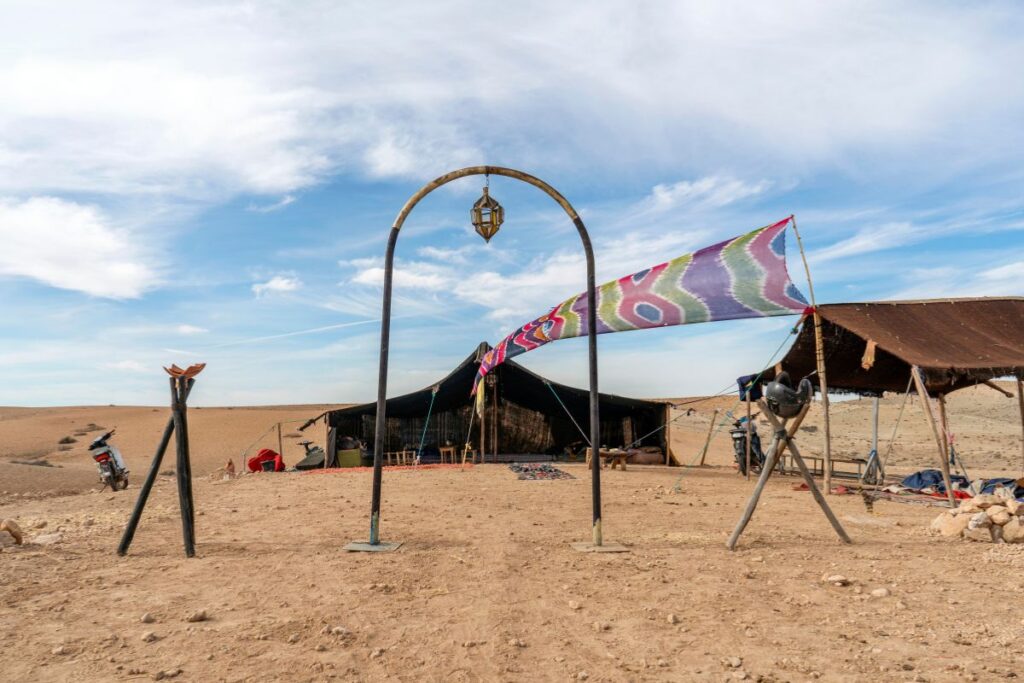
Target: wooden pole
{"points": [[819, 355], [747, 455], [147, 486], [775, 449], [280, 444], [184, 467], [783, 439], [707, 441], [926, 406], [944, 425], [1020, 402]]}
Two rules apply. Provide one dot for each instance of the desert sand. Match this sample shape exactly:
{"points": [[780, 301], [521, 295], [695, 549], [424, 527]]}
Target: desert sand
{"points": [[486, 586]]}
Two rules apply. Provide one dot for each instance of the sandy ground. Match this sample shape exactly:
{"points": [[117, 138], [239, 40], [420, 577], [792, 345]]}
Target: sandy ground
{"points": [[486, 586]]}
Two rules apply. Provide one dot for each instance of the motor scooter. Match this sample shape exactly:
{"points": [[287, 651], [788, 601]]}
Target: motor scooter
{"points": [[109, 463], [739, 446]]}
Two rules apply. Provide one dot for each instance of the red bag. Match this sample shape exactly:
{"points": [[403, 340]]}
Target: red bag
{"points": [[266, 461]]}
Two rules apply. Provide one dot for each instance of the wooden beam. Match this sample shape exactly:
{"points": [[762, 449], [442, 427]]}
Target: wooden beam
{"points": [[926, 406], [993, 385]]}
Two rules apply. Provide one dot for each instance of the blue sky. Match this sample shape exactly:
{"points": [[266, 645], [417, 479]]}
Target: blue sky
{"points": [[215, 181]]}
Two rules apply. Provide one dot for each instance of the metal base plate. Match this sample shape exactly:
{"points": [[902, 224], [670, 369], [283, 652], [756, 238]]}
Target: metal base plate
{"points": [[363, 547], [588, 547]]}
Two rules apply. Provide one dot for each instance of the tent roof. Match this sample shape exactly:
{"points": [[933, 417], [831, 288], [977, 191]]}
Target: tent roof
{"points": [[957, 342], [519, 385]]}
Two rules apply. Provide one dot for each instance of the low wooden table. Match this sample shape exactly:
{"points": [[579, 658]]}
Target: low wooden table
{"points": [[616, 458], [449, 452]]}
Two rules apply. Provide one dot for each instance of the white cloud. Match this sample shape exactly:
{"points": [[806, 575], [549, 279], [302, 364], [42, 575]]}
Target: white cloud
{"points": [[275, 206], [709, 192], [277, 284], [190, 329], [72, 246], [128, 366], [871, 239]]}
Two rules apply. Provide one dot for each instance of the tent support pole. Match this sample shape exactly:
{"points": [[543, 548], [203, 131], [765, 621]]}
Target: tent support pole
{"points": [[385, 331], [707, 440], [819, 355], [747, 463], [926, 406], [1020, 403], [944, 425]]}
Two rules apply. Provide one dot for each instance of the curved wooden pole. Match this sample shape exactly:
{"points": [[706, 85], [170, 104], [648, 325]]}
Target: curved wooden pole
{"points": [[382, 377]]}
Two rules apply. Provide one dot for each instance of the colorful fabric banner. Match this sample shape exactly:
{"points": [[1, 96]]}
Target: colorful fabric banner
{"points": [[744, 277]]}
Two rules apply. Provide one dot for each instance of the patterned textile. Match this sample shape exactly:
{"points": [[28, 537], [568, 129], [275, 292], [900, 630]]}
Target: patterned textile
{"points": [[744, 277]]}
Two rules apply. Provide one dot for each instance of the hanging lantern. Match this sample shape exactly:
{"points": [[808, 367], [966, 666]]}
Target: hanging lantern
{"points": [[487, 215]]}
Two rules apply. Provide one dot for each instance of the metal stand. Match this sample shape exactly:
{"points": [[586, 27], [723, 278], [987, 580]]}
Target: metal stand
{"points": [[385, 336]]}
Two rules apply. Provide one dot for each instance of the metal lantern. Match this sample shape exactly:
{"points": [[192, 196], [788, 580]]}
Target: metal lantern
{"points": [[487, 215]]}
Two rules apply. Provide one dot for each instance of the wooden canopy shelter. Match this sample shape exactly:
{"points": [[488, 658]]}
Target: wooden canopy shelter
{"points": [[938, 345]]}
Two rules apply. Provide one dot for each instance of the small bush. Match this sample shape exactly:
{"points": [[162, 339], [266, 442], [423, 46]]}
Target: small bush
{"points": [[67, 440]]}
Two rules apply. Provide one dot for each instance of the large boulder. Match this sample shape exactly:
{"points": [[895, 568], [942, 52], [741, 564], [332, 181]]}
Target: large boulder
{"points": [[981, 534], [950, 525], [979, 520], [1013, 506], [998, 514], [1013, 531], [980, 502], [11, 527]]}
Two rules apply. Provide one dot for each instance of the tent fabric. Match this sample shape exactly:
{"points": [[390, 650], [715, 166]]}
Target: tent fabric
{"points": [[743, 277], [956, 342], [531, 418]]}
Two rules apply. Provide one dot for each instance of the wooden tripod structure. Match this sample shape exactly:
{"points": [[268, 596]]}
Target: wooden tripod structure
{"points": [[181, 386], [783, 439]]}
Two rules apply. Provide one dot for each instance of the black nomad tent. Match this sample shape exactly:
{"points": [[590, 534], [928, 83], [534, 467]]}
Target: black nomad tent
{"points": [[526, 417]]}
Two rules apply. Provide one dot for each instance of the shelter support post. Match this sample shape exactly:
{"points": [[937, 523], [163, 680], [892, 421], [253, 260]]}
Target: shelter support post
{"points": [[819, 356], [926, 406], [707, 440], [280, 443], [747, 455], [1020, 404], [944, 426], [147, 486]]}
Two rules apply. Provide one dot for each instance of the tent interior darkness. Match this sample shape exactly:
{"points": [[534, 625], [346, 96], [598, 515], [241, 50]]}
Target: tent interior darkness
{"points": [[531, 419]]}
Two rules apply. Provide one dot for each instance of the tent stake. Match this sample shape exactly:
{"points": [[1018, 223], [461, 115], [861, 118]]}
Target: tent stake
{"points": [[926, 406], [819, 355]]}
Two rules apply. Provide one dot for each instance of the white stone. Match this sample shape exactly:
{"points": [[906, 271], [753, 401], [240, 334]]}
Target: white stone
{"points": [[979, 520], [880, 593], [1013, 531]]}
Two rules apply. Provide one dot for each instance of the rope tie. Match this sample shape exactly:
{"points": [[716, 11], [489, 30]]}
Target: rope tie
{"points": [[426, 423], [557, 398]]}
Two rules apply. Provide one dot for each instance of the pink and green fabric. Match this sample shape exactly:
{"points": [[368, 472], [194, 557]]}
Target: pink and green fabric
{"points": [[744, 277]]}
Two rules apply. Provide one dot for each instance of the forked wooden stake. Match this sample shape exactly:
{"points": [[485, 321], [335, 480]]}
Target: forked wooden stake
{"points": [[926, 406], [707, 441]]}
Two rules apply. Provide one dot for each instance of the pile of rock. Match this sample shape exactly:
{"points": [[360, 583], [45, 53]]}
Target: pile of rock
{"points": [[986, 518]]}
